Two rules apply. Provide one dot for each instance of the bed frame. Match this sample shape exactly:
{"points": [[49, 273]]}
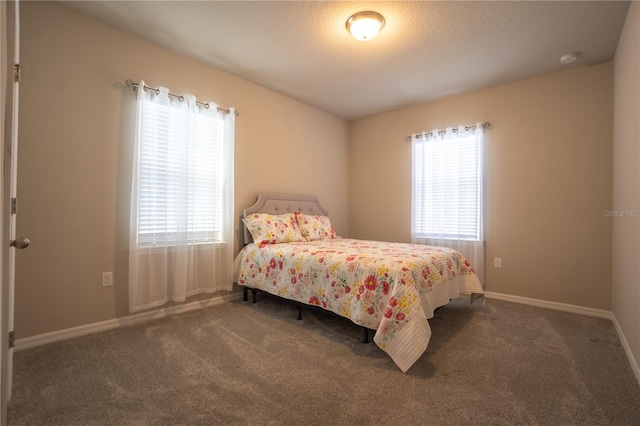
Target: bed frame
{"points": [[280, 203]]}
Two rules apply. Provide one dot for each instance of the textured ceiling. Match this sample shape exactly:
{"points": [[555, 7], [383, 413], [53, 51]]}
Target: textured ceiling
{"points": [[426, 50]]}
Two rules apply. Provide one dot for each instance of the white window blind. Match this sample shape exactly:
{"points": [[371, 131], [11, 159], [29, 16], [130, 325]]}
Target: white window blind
{"points": [[447, 185], [180, 174]]}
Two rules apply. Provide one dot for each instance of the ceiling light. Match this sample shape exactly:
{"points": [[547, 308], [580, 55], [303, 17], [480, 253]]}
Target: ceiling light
{"points": [[569, 57], [365, 25]]}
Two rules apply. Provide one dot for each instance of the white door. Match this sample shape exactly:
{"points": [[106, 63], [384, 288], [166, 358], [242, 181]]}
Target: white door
{"points": [[11, 72]]}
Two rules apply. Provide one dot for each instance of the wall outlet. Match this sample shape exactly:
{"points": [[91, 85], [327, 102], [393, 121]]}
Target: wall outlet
{"points": [[497, 262], [107, 279]]}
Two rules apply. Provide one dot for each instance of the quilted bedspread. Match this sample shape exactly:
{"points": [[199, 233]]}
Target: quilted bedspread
{"points": [[391, 287]]}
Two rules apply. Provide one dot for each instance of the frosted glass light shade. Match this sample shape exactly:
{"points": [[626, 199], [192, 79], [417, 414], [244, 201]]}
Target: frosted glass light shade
{"points": [[365, 25]]}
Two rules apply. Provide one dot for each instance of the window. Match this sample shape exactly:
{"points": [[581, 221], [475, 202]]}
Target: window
{"points": [[181, 172], [447, 185], [181, 233]]}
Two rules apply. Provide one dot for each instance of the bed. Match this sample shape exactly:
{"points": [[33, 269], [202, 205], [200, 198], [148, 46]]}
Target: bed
{"points": [[392, 288]]}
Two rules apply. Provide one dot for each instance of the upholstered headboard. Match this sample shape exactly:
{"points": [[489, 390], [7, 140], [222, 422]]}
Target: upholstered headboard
{"points": [[277, 203]]}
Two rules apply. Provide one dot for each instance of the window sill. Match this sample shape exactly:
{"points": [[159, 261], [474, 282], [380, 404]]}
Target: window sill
{"points": [[149, 249]]}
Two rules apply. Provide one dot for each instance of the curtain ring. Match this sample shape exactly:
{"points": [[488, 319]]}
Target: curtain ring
{"points": [[181, 98], [206, 106]]}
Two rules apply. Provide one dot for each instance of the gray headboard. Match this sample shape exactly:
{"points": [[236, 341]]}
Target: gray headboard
{"points": [[277, 203]]}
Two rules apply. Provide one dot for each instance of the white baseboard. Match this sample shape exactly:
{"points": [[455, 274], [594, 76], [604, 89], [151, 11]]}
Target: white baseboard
{"points": [[55, 336], [591, 312], [600, 313], [627, 348]]}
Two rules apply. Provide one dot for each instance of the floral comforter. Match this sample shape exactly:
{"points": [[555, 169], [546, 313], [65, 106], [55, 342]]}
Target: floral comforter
{"points": [[391, 287]]}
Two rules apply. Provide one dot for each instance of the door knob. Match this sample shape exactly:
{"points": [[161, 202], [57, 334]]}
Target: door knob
{"points": [[20, 243]]}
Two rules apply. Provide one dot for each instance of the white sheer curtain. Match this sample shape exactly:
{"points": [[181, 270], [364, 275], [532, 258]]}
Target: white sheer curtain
{"points": [[447, 191], [181, 240]]}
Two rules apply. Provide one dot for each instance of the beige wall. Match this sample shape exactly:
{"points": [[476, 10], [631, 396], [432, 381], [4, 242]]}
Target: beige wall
{"points": [[626, 181], [548, 180], [74, 163]]}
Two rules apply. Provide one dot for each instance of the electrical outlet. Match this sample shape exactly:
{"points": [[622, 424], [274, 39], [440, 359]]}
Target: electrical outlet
{"points": [[497, 262], [107, 279]]}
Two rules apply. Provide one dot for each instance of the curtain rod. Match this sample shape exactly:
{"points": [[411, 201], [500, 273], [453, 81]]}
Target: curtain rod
{"points": [[133, 86], [440, 132]]}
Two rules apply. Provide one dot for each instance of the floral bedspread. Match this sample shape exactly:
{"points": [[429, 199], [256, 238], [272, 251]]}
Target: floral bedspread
{"points": [[391, 287]]}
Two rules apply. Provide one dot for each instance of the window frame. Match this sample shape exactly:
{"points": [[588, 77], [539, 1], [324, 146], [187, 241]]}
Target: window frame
{"points": [[439, 231], [172, 111]]}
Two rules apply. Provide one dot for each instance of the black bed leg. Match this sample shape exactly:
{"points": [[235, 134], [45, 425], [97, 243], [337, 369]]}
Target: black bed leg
{"points": [[366, 334], [245, 291], [299, 312], [254, 292]]}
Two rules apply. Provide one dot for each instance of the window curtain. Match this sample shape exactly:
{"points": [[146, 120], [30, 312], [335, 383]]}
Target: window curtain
{"points": [[447, 192], [181, 240]]}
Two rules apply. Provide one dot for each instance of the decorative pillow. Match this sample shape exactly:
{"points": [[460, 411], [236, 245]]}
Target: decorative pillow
{"points": [[315, 227], [271, 229]]}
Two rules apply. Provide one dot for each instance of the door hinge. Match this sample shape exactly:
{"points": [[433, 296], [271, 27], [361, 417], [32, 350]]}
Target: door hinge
{"points": [[17, 69], [17, 72], [14, 205], [12, 339]]}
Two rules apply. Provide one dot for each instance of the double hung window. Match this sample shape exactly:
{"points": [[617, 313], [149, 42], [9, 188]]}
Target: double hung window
{"points": [[447, 186], [181, 231], [447, 191], [181, 173]]}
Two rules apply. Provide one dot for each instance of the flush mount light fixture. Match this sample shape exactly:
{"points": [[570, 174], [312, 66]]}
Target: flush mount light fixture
{"points": [[365, 25], [569, 57]]}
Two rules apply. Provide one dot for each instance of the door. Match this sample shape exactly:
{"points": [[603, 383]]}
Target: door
{"points": [[10, 88]]}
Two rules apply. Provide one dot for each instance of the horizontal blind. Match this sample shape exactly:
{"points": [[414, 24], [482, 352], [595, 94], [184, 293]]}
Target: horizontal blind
{"points": [[447, 177], [180, 174]]}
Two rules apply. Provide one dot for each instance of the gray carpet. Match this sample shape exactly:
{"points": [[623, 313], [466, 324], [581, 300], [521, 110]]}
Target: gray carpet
{"points": [[240, 363]]}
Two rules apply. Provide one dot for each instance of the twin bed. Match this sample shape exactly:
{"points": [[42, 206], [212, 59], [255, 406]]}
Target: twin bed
{"points": [[291, 250]]}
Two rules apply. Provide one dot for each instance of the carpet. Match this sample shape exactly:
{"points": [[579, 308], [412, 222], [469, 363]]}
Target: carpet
{"points": [[242, 363]]}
